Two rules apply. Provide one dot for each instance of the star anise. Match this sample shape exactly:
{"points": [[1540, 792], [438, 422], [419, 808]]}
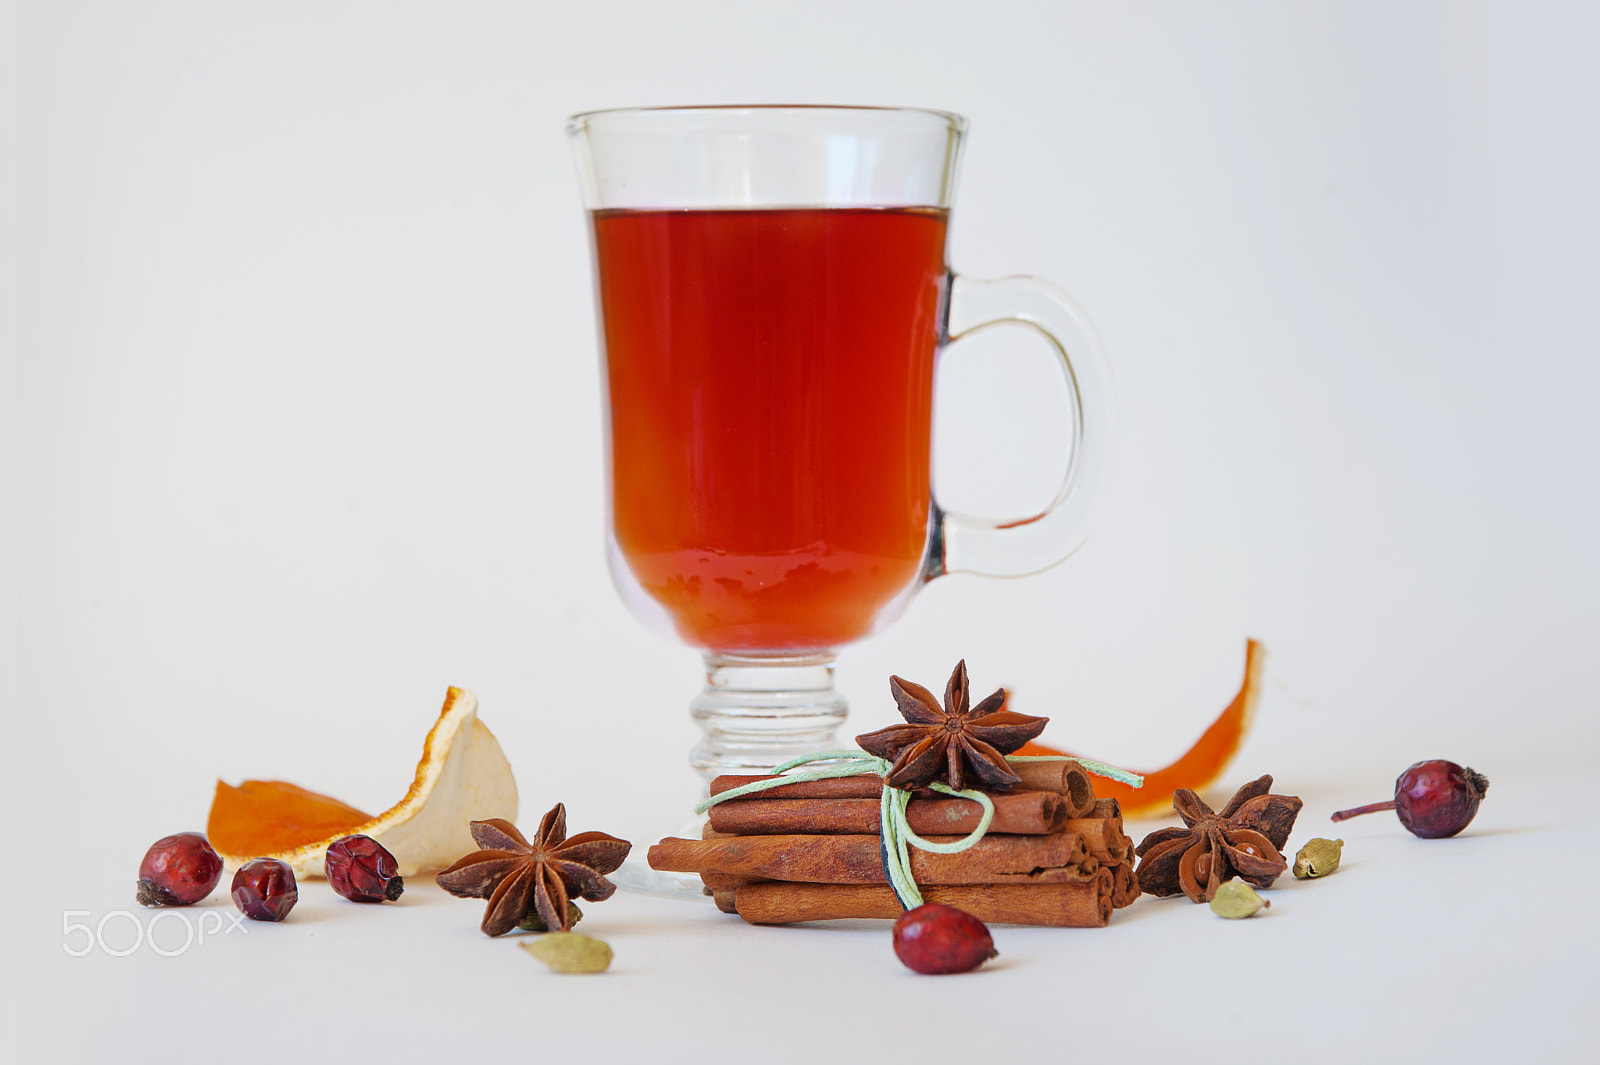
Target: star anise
{"points": [[1245, 840], [954, 739], [518, 876]]}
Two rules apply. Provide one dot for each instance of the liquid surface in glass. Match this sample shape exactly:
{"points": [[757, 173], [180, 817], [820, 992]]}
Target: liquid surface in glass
{"points": [[771, 385]]}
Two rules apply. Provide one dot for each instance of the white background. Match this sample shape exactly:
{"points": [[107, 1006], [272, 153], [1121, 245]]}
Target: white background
{"points": [[300, 413]]}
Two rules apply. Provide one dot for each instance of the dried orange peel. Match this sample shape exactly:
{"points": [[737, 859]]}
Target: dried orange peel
{"points": [[1200, 767], [463, 777]]}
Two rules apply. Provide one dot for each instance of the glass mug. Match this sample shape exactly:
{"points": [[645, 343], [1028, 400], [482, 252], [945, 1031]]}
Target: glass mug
{"points": [[773, 297]]}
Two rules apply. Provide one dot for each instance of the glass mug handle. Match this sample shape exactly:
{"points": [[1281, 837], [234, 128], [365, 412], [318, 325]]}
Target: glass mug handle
{"points": [[966, 543]]}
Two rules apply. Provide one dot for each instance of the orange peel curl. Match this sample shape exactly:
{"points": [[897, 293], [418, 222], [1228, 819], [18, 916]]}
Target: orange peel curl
{"points": [[463, 777], [1202, 764]]}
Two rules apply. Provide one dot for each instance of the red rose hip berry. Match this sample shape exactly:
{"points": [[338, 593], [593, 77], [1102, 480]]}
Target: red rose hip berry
{"points": [[941, 939], [362, 871], [1433, 799], [264, 890], [178, 870]]}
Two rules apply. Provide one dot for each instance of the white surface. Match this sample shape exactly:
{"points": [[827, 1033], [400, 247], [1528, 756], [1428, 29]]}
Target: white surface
{"points": [[1479, 948], [299, 424]]}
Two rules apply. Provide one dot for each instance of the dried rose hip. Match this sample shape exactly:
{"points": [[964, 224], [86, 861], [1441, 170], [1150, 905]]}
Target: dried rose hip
{"points": [[264, 890], [178, 870], [362, 871], [1433, 799], [941, 939]]}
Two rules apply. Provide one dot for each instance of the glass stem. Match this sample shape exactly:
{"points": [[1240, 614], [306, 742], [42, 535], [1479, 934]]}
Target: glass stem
{"points": [[757, 712]]}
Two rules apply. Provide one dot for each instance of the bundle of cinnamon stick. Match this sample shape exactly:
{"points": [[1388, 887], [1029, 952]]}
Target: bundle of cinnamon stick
{"points": [[811, 851]]}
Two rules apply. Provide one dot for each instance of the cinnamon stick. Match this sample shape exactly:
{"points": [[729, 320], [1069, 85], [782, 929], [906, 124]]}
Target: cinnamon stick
{"points": [[1063, 776], [1104, 838], [1055, 858], [864, 786], [715, 881], [1124, 885], [1084, 904], [1026, 812]]}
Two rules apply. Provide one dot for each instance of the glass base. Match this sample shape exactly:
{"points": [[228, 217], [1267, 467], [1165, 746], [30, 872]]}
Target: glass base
{"points": [[636, 874], [756, 712]]}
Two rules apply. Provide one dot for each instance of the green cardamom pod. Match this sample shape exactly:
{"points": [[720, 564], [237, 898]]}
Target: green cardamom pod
{"points": [[1236, 899], [1317, 858], [534, 923], [570, 952]]}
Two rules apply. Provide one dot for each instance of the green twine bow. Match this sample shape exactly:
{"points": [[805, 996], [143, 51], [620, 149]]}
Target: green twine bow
{"points": [[896, 834]]}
